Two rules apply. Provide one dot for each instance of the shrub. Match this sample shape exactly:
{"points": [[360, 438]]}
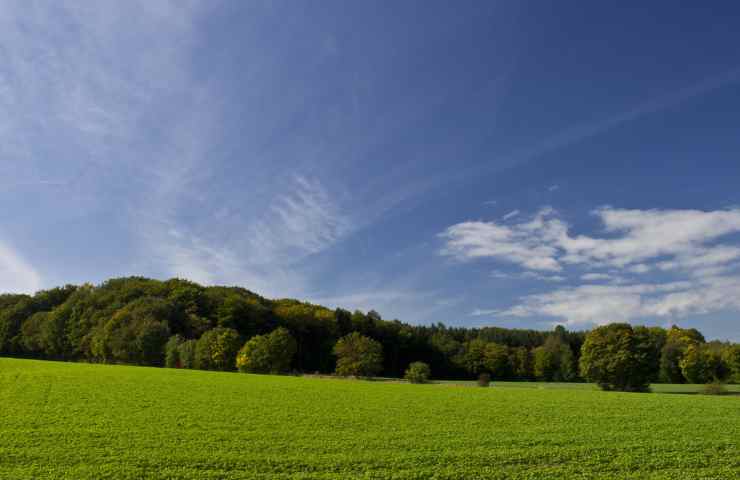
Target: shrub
{"points": [[358, 355], [418, 372], [484, 380], [714, 388]]}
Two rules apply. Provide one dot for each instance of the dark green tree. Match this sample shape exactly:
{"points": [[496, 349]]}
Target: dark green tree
{"points": [[676, 342], [554, 361], [520, 360], [704, 363], [358, 355], [497, 360], [613, 358], [186, 353], [271, 353], [472, 356], [172, 352]]}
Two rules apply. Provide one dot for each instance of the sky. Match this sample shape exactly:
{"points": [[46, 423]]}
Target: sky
{"points": [[518, 164]]}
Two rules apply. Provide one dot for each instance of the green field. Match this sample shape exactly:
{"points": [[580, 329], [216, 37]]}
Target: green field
{"points": [[655, 388], [94, 421]]}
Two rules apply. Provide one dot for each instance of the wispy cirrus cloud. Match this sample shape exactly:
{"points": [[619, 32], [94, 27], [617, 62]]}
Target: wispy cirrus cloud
{"points": [[92, 94], [262, 251], [511, 214], [301, 221]]}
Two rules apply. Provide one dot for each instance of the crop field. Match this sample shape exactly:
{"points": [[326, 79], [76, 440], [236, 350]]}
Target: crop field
{"points": [[655, 388], [82, 421]]}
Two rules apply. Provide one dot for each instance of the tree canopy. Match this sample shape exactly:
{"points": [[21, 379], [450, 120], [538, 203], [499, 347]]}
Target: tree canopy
{"points": [[358, 355], [183, 324], [615, 358]]}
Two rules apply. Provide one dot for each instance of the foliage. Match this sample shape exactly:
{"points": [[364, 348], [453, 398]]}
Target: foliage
{"points": [[520, 360], [217, 349], [553, 361], [613, 358], [731, 357], [676, 343], [714, 388], [172, 352], [267, 353], [358, 355], [136, 333], [704, 363], [418, 372], [186, 353], [130, 320]]}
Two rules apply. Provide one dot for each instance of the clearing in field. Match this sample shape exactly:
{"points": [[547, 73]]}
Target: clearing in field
{"points": [[77, 421]]}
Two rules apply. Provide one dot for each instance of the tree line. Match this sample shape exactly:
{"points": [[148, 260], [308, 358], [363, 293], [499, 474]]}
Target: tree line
{"points": [[179, 323]]}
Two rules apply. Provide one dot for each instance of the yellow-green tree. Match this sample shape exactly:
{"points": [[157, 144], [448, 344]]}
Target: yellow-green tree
{"points": [[271, 353], [358, 355]]}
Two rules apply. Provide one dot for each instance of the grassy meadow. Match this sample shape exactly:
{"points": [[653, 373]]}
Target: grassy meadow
{"points": [[83, 421], [655, 388]]}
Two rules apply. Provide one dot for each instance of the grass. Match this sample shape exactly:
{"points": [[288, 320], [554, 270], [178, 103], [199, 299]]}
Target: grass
{"points": [[655, 388], [82, 421]]}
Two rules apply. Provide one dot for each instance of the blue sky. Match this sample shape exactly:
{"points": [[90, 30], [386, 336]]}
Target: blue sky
{"points": [[479, 163]]}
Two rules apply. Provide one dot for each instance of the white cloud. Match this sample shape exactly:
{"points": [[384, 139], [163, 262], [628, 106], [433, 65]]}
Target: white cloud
{"points": [[511, 214], [647, 234], [515, 244], [589, 277], [692, 245], [600, 304], [16, 275], [527, 276], [544, 242], [552, 188]]}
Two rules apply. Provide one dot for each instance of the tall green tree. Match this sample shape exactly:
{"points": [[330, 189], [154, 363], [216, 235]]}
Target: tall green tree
{"points": [[217, 349], [358, 355], [676, 343], [554, 361], [521, 363], [472, 356], [704, 363], [497, 360], [172, 352], [271, 353], [613, 358]]}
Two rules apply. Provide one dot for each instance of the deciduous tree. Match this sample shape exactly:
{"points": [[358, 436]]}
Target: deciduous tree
{"points": [[358, 355]]}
